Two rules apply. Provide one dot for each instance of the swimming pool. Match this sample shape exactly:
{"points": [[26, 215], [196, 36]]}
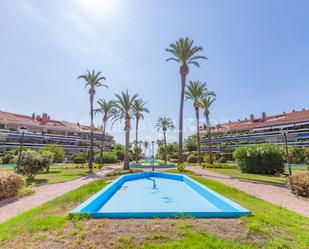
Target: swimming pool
{"points": [[156, 194]]}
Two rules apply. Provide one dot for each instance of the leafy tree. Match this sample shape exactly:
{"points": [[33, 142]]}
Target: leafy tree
{"points": [[56, 150], [184, 52], [93, 81], [164, 124], [205, 103], [191, 144], [32, 162], [138, 110], [108, 111], [124, 106]]}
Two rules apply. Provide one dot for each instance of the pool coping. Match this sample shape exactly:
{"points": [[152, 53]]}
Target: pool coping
{"points": [[102, 196]]}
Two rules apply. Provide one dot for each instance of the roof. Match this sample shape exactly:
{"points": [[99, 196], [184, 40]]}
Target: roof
{"points": [[42, 122], [264, 121]]}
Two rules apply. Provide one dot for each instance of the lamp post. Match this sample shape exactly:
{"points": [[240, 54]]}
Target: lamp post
{"points": [[23, 129], [152, 143], [287, 150]]}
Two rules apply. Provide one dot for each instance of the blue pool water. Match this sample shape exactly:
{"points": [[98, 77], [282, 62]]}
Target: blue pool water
{"points": [[155, 194]]}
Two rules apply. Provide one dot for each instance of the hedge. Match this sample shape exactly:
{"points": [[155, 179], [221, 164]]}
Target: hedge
{"points": [[108, 157], [260, 159]]}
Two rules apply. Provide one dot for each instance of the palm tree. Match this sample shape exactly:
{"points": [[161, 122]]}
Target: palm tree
{"points": [[195, 91], [108, 111], [93, 80], [124, 105], [138, 110], [165, 124], [205, 104], [184, 53], [146, 145]]}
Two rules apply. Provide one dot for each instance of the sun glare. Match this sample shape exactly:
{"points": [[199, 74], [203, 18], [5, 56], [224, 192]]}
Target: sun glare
{"points": [[98, 7]]}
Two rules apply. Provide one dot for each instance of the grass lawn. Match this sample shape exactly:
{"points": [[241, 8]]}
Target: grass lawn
{"points": [[49, 226], [235, 173], [58, 173]]}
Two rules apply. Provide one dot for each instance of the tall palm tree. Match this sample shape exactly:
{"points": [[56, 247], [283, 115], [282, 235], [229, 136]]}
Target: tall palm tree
{"points": [[184, 53], [138, 110], [124, 105], [146, 145], [108, 111], [195, 91], [205, 104], [165, 124], [93, 80]]}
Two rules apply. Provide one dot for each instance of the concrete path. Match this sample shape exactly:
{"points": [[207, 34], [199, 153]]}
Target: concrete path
{"points": [[278, 195], [44, 193]]}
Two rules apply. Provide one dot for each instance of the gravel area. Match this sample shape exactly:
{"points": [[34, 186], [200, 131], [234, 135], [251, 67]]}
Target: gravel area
{"points": [[44, 193], [278, 195]]}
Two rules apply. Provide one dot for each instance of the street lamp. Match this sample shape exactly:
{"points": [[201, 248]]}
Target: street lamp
{"points": [[287, 150], [22, 129], [152, 143]]}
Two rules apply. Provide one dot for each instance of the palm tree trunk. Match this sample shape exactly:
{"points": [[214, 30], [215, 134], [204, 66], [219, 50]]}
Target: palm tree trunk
{"points": [[197, 115], [127, 144], [209, 139], [165, 156], [183, 72], [91, 133], [136, 139], [102, 143]]}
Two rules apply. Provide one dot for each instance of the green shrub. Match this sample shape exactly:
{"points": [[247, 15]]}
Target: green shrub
{"points": [[118, 172], [173, 160], [79, 159], [1, 162], [192, 159], [57, 151], [32, 162], [10, 184], [299, 184], [261, 159], [180, 167], [228, 156], [47, 159], [222, 159], [13, 160], [108, 157], [206, 159], [219, 165]]}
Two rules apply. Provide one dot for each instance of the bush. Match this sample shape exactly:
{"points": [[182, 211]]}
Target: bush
{"points": [[47, 159], [180, 167], [10, 184], [173, 160], [118, 172], [192, 159], [206, 159], [108, 157], [219, 166], [57, 151], [79, 159], [228, 156], [13, 160], [261, 159], [32, 162], [222, 159], [1, 162], [299, 184]]}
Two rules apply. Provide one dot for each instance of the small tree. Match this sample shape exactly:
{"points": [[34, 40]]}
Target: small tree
{"points": [[32, 162]]}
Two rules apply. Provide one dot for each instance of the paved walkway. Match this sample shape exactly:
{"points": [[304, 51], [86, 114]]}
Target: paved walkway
{"points": [[280, 196], [44, 193]]}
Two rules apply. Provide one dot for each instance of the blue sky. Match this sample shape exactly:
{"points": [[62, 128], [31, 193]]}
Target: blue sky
{"points": [[258, 55]]}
